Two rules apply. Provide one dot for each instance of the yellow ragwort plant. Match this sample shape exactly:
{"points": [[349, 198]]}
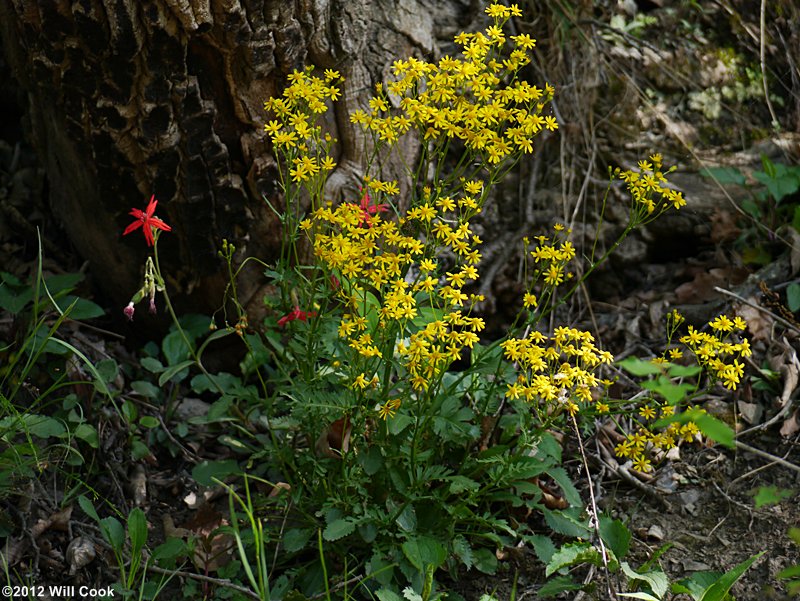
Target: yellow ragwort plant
{"points": [[718, 354], [402, 278], [404, 301]]}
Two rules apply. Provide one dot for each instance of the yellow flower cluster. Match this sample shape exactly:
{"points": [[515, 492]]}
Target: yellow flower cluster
{"points": [[294, 132], [645, 443], [557, 370], [550, 256], [649, 188], [374, 259], [719, 352], [466, 98]]}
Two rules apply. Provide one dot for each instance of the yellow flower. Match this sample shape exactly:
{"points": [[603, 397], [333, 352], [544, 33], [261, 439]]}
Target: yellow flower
{"points": [[361, 382], [647, 412], [642, 464]]}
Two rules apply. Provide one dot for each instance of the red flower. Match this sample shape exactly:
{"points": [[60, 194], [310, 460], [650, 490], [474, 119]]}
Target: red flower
{"points": [[146, 221], [367, 210], [294, 314]]}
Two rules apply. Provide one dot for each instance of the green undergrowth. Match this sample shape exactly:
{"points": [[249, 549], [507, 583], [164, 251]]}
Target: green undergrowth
{"points": [[373, 442]]}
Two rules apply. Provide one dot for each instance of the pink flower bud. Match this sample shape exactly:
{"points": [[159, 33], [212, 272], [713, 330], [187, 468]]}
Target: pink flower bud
{"points": [[128, 311]]}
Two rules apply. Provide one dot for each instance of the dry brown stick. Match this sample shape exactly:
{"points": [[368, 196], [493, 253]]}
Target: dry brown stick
{"points": [[595, 517], [765, 455], [218, 581]]}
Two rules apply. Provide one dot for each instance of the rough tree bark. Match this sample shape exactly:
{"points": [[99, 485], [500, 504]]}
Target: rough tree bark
{"points": [[129, 98]]}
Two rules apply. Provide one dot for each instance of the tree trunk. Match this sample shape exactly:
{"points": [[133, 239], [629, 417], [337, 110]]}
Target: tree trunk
{"points": [[129, 98]]}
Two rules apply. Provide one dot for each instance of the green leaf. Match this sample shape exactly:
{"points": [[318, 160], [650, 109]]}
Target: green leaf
{"points": [[542, 545], [407, 520], [683, 371], [82, 309], [145, 388], [174, 348], [14, 295], [796, 218], [485, 561], [169, 549], [463, 551], [793, 295], [561, 477], [645, 596], [709, 426], [172, 370], [656, 579], [715, 430], [386, 594], [615, 535], [423, 551], [44, 427], [205, 472], [639, 367], [548, 446], [113, 532], [779, 185], [558, 585], [88, 508], [139, 450], [719, 590], [564, 523], [148, 421], [725, 175], [673, 393], [108, 370], [573, 554], [61, 283], [296, 539], [88, 434], [771, 495], [368, 532], [137, 530], [790, 572], [152, 365], [371, 461], [338, 529], [460, 484]]}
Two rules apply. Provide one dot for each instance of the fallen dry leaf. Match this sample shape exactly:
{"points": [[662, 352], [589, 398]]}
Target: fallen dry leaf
{"points": [[138, 485], [790, 426], [759, 324], [335, 439], [750, 412], [723, 226], [58, 521], [80, 553]]}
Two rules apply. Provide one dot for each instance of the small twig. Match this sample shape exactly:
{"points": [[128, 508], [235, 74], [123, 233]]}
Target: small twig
{"points": [[762, 52], [773, 458], [218, 581], [187, 453], [595, 519], [335, 588], [752, 472]]}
